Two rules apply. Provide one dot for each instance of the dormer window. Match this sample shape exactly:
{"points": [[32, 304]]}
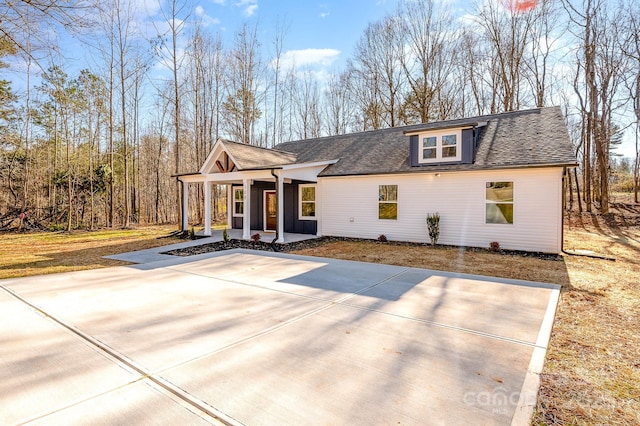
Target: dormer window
{"points": [[440, 147]]}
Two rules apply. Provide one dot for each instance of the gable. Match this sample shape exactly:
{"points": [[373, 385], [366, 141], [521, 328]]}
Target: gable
{"points": [[227, 156]]}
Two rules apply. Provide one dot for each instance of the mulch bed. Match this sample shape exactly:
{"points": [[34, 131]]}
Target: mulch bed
{"points": [[315, 242]]}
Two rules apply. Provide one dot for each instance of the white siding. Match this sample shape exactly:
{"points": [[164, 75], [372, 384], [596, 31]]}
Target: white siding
{"points": [[349, 208]]}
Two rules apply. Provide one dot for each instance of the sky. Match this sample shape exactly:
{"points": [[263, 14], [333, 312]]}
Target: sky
{"points": [[317, 34]]}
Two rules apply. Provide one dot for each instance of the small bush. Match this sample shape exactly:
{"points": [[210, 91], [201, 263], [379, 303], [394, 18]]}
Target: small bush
{"points": [[382, 238], [625, 184], [433, 227], [256, 237], [225, 235], [54, 227], [192, 233], [494, 246]]}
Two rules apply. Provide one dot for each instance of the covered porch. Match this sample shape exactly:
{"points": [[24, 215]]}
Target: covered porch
{"points": [[267, 191]]}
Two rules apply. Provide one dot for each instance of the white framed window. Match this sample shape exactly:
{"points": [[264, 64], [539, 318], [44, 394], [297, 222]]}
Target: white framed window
{"points": [[499, 202], [307, 202], [238, 202], [388, 202], [442, 146]]}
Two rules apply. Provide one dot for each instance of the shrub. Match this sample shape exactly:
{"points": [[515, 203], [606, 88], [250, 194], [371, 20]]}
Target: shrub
{"points": [[256, 237], [494, 246], [433, 226], [382, 238], [225, 235], [54, 227], [192, 233]]}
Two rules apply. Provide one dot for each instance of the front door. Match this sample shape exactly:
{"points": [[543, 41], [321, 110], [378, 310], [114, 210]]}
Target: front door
{"points": [[270, 211]]}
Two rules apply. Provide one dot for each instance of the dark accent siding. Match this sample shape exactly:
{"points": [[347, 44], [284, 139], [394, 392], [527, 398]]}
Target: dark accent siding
{"points": [[236, 223], [257, 203], [468, 146], [414, 149], [291, 222]]}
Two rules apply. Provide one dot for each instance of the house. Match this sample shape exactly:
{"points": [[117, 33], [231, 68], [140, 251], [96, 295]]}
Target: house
{"points": [[491, 178]]}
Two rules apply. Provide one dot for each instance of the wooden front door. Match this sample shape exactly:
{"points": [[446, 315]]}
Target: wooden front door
{"points": [[270, 211]]}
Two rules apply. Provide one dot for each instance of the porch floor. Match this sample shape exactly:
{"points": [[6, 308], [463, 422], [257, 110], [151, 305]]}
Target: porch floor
{"points": [[156, 254], [236, 234]]}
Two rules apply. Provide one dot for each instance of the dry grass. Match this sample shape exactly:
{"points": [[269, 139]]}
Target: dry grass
{"points": [[23, 255], [592, 370]]}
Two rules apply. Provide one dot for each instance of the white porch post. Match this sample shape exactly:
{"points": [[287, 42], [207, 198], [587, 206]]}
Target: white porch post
{"points": [[246, 220], [229, 206], [280, 197], [318, 209], [207, 208], [185, 206]]}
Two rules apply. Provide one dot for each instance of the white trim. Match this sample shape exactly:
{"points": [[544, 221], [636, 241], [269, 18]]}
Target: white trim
{"points": [[185, 206], [246, 220], [315, 201], [264, 209], [389, 202], [229, 206], [233, 200], [439, 147], [312, 164], [207, 209], [512, 202], [319, 205]]}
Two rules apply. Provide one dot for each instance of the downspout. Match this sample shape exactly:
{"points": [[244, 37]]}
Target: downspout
{"points": [[273, 243], [180, 212], [564, 204]]}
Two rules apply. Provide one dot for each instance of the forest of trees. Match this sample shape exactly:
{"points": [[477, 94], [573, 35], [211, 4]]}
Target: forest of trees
{"points": [[101, 146]]}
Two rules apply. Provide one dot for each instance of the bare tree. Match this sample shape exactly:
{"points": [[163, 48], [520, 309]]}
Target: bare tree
{"points": [[600, 67], [175, 15], [337, 103], [30, 24], [508, 33], [245, 69], [428, 62], [378, 71]]}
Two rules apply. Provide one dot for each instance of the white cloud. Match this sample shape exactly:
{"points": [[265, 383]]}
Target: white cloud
{"points": [[309, 57], [250, 6], [206, 19], [324, 14], [250, 10]]}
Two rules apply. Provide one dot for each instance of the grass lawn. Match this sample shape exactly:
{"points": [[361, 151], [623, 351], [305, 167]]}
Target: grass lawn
{"points": [[592, 370], [26, 254]]}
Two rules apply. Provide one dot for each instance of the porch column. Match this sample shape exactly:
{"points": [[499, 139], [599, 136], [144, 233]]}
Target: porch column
{"points": [[207, 208], [246, 220], [229, 207], [185, 206], [318, 209], [280, 210]]}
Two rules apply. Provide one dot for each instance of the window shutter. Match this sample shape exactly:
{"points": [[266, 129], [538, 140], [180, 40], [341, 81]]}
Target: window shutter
{"points": [[414, 150]]}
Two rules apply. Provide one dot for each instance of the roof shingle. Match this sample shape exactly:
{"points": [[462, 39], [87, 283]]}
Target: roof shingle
{"points": [[536, 137]]}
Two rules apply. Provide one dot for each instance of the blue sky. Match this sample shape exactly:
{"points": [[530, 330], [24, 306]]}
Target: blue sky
{"points": [[325, 26]]}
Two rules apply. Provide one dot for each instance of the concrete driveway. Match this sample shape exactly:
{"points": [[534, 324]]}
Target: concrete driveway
{"points": [[245, 337]]}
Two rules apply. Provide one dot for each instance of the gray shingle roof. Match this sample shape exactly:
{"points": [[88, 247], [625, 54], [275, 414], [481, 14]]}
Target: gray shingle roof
{"points": [[250, 157], [528, 138]]}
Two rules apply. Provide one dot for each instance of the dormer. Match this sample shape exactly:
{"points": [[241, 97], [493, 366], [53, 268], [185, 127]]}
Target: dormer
{"points": [[442, 145]]}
